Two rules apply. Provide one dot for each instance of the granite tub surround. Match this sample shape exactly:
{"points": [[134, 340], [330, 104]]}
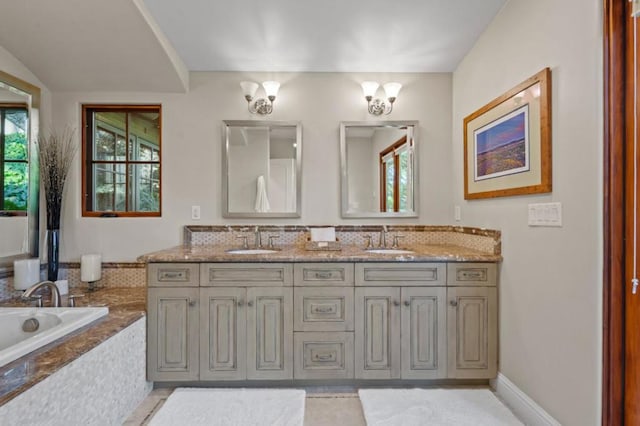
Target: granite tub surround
{"points": [[126, 306], [428, 243], [101, 387]]}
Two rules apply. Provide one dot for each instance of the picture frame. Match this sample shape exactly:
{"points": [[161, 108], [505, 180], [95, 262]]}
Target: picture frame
{"points": [[507, 142]]}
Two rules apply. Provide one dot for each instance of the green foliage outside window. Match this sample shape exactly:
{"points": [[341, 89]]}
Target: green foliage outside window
{"points": [[16, 171]]}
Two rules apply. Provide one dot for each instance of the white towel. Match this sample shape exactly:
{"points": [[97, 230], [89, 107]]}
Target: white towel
{"points": [[262, 202], [323, 234]]}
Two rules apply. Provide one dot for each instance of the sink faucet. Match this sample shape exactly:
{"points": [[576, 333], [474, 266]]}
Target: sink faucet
{"points": [[55, 293], [258, 238], [383, 237]]}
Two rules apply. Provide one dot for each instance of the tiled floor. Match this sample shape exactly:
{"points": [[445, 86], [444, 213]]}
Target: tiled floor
{"points": [[321, 408]]}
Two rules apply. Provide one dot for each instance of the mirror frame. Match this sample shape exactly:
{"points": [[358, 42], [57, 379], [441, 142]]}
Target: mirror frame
{"points": [[33, 204], [225, 168], [344, 187]]}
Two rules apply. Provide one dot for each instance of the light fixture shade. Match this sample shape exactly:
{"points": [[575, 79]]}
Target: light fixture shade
{"points": [[249, 88], [369, 88], [392, 89], [271, 88]]}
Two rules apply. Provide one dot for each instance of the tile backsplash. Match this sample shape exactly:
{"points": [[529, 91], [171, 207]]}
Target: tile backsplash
{"points": [[131, 274], [485, 240]]}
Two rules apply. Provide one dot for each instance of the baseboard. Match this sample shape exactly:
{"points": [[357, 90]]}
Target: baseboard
{"points": [[524, 407]]}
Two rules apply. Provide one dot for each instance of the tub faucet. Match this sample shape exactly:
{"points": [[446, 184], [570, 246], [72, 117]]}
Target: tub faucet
{"points": [[55, 293]]}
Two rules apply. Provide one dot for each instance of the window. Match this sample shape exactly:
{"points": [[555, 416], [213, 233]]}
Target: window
{"points": [[14, 179], [395, 174], [121, 167]]}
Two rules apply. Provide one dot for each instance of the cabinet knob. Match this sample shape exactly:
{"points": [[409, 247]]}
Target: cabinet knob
{"points": [[407, 303], [192, 303], [250, 303], [396, 303], [453, 303], [240, 303]]}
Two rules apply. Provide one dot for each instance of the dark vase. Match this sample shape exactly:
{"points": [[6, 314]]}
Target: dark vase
{"points": [[53, 253]]}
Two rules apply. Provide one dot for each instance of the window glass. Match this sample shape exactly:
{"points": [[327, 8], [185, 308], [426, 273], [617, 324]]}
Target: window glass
{"points": [[123, 145], [14, 158]]}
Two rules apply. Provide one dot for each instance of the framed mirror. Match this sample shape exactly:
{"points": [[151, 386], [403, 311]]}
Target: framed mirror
{"points": [[19, 181], [379, 168], [262, 169]]}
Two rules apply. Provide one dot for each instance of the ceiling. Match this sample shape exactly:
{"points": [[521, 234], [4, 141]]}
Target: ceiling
{"points": [[150, 45], [327, 35]]}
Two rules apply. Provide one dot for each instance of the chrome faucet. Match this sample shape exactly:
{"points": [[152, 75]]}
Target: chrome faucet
{"points": [[55, 293], [383, 237], [258, 238]]}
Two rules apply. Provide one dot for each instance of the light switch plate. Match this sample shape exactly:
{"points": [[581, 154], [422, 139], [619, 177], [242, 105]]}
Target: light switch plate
{"points": [[195, 212], [456, 213], [545, 214]]}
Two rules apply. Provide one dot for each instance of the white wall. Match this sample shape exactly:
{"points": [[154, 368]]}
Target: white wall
{"points": [[551, 280], [191, 152]]}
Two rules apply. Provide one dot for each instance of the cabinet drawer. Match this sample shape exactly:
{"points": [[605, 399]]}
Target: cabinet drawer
{"points": [[246, 274], [400, 274], [323, 355], [482, 274], [324, 274], [173, 274], [323, 309]]}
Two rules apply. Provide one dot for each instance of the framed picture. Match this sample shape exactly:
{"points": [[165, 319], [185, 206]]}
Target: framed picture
{"points": [[507, 143]]}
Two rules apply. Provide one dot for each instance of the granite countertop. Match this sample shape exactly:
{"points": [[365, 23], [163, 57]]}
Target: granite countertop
{"points": [[126, 306], [349, 253]]}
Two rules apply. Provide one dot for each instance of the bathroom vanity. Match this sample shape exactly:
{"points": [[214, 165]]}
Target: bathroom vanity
{"points": [[300, 315]]}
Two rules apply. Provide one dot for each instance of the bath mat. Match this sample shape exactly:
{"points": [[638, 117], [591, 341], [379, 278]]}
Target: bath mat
{"points": [[434, 407], [232, 407]]}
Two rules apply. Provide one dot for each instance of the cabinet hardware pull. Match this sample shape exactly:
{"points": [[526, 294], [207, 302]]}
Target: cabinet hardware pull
{"points": [[240, 303], [407, 303], [192, 303], [322, 309], [453, 303], [396, 303], [250, 303], [324, 357], [472, 274], [171, 275], [323, 275]]}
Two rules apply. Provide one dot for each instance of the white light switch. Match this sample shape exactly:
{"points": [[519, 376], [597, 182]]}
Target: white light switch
{"points": [[545, 214], [456, 213], [195, 212]]}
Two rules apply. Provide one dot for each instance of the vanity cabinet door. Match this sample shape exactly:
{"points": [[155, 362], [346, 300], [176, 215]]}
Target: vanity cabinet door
{"points": [[172, 344], [269, 333], [223, 334], [424, 333], [377, 332], [472, 318]]}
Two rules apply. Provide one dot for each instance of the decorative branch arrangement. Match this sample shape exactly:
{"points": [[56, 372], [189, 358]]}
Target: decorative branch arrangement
{"points": [[56, 152]]}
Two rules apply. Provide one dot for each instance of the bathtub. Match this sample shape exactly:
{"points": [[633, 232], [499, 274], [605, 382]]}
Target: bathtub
{"points": [[51, 324]]}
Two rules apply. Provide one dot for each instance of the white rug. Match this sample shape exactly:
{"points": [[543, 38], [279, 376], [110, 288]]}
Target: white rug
{"points": [[232, 407], [434, 407]]}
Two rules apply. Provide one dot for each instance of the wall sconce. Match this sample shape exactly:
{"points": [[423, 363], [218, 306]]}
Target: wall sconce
{"points": [[261, 106], [378, 106]]}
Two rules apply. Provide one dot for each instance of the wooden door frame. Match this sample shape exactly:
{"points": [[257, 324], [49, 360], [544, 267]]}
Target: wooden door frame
{"points": [[615, 16]]}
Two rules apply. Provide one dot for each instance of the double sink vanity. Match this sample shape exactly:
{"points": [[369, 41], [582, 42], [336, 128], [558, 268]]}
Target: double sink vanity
{"points": [[425, 311], [248, 304]]}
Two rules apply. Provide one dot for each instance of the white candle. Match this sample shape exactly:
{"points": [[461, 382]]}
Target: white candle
{"points": [[90, 267], [26, 272]]}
